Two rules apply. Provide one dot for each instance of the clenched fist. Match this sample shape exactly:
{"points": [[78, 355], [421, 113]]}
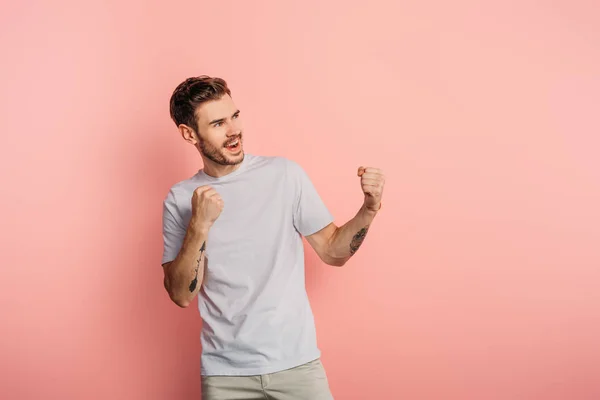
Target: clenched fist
{"points": [[207, 205], [371, 182]]}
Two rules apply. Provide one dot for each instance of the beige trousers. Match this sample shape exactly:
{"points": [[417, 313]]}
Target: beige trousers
{"points": [[305, 382]]}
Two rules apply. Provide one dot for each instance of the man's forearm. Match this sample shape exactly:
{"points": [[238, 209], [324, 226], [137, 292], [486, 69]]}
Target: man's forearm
{"points": [[348, 238], [184, 276]]}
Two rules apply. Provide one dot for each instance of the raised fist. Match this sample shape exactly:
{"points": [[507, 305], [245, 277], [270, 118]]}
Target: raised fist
{"points": [[207, 205]]}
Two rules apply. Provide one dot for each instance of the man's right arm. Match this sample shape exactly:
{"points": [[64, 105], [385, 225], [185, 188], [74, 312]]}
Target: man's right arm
{"points": [[184, 275]]}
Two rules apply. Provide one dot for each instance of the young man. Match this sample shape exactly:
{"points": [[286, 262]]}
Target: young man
{"points": [[233, 237]]}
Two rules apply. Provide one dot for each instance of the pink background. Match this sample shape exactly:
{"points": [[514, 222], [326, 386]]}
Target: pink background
{"points": [[480, 279]]}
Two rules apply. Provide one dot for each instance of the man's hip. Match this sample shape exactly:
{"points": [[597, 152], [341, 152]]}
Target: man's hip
{"points": [[304, 382]]}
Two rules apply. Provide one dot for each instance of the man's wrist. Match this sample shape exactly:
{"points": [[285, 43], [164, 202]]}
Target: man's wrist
{"points": [[199, 227], [371, 211], [375, 208]]}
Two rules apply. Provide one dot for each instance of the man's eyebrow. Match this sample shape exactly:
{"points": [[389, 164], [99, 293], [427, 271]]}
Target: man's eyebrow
{"points": [[214, 121]]}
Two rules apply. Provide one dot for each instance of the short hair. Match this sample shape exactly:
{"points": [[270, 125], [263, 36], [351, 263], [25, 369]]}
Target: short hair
{"points": [[191, 93]]}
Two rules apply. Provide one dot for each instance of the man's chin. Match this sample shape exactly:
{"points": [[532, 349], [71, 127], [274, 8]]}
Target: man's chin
{"points": [[233, 158]]}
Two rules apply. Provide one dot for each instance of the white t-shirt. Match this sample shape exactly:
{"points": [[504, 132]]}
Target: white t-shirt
{"points": [[256, 314]]}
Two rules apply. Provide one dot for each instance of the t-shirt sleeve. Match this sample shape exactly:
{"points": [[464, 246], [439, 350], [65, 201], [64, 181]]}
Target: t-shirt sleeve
{"points": [[310, 213], [173, 229]]}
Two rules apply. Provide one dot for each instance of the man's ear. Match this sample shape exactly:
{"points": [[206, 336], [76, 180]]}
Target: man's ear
{"points": [[188, 134]]}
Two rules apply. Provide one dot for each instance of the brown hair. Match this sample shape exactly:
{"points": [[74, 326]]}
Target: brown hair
{"points": [[190, 94]]}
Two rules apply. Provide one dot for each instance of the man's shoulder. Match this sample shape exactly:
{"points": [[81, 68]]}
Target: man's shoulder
{"points": [[280, 161], [182, 188], [275, 162], [290, 168], [266, 160]]}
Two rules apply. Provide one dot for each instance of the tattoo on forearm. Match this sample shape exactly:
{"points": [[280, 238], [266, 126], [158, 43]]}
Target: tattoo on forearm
{"points": [[358, 239], [194, 282]]}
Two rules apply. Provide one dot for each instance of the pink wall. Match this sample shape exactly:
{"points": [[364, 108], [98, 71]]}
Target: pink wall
{"points": [[480, 279]]}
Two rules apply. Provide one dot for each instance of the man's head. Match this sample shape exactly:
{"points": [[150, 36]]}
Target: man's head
{"points": [[206, 116]]}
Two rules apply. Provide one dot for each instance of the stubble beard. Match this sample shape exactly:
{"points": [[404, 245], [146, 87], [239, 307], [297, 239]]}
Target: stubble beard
{"points": [[218, 155]]}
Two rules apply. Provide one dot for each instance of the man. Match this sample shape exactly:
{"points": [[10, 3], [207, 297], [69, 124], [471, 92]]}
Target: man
{"points": [[233, 237]]}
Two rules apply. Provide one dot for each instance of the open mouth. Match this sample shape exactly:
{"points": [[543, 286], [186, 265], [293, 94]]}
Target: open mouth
{"points": [[234, 146]]}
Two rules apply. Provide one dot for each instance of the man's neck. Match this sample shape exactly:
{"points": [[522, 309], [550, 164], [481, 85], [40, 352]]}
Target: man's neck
{"points": [[215, 170]]}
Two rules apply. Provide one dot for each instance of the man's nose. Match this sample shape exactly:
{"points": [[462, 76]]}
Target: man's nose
{"points": [[233, 131]]}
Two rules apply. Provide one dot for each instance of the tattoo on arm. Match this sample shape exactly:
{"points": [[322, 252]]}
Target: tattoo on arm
{"points": [[358, 239], [194, 282]]}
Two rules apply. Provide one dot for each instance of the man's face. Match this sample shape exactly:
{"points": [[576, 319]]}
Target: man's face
{"points": [[220, 131]]}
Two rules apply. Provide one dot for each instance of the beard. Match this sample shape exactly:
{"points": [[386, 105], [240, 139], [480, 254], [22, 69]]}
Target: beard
{"points": [[219, 155]]}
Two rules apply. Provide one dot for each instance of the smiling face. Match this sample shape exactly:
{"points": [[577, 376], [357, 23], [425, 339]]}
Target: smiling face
{"points": [[206, 117], [219, 132], [217, 135]]}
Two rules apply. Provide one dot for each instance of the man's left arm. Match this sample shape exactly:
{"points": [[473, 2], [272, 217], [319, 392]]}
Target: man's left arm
{"points": [[336, 245]]}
